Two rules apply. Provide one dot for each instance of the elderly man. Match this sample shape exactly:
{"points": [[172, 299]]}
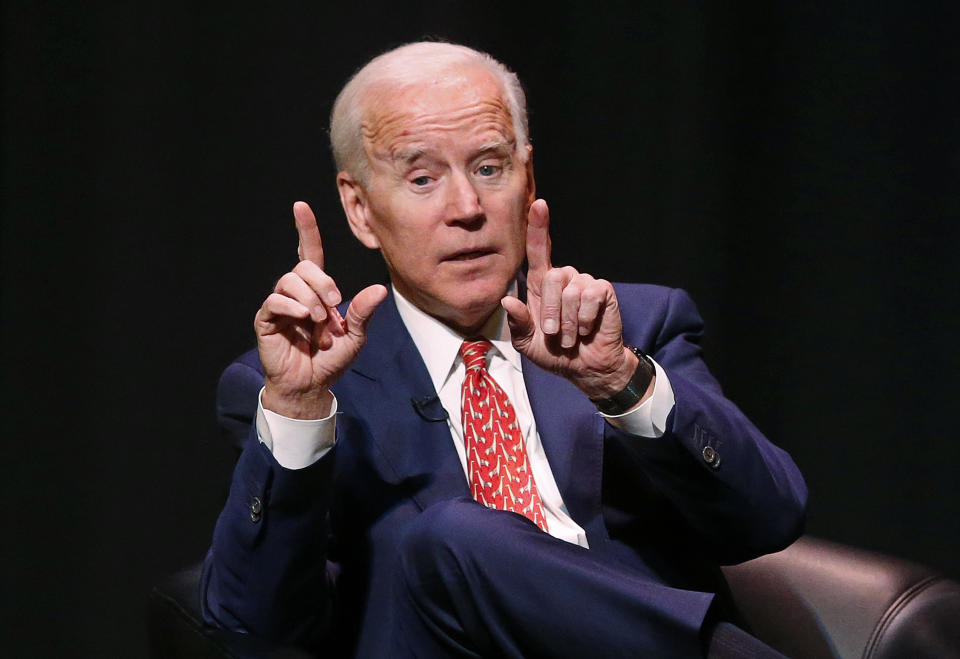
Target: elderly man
{"points": [[490, 464]]}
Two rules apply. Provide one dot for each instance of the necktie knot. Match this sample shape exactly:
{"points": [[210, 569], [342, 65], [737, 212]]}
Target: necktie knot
{"points": [[474, 354]]}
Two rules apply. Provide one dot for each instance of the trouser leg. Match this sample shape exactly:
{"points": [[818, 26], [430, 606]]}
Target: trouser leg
{"points": [[479, 582], [727, 641]]}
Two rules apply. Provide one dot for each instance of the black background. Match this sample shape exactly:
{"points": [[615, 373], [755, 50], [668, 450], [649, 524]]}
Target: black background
{"points": [[793, 165]]}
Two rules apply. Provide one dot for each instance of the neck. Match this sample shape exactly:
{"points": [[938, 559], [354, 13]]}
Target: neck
{"points": [[488, 327], [488, 324], [481, 320]]}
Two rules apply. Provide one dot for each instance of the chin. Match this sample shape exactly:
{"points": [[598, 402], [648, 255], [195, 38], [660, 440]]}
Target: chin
{"points": [[486, 290], [470, 305]]}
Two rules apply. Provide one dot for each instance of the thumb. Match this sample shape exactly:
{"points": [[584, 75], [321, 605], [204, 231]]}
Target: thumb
{"points": [[520, 322], [361, 310]]}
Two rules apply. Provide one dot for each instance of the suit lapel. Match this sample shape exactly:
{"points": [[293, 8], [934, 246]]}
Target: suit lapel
{"points": [[571, 432], [408, 424], [572, 435]]}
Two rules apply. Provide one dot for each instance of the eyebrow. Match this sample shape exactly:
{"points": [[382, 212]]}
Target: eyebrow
{"points": [[496, 146], [410, 156]]}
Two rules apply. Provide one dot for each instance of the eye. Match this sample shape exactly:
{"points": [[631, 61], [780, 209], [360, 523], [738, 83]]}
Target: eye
{"points": [[488, 170], [421, 181]]}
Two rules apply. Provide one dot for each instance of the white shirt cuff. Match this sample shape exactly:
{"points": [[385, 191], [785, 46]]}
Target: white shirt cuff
{"points": [[296, 443], [650, 418]]}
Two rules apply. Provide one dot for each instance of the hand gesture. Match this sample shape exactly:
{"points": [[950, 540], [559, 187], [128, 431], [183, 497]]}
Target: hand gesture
{"points": [[304, 343], [570, 324]]}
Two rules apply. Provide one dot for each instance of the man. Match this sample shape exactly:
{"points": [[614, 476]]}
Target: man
{"points": [[434, 479]]}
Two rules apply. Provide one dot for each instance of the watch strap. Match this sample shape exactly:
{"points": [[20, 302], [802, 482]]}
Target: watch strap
{"points": [[635, 389]]}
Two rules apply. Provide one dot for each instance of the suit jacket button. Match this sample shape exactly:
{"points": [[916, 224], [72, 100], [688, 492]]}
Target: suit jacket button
{"points": [[711, 457], [256, 507]]}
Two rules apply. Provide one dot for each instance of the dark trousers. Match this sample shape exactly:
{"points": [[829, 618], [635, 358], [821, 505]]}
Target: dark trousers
{"points": [[485, 583]]}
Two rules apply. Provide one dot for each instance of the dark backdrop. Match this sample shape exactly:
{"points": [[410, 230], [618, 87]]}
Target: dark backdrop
{"points": [[794, 165]]}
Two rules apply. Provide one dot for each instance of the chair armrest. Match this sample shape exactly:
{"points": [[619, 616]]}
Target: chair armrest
{"points": [[822, 599], [176, 627]]}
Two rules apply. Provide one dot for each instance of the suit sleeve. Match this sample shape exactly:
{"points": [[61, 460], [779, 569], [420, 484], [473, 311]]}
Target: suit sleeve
{"points": [[266, 572], [739, 493]]}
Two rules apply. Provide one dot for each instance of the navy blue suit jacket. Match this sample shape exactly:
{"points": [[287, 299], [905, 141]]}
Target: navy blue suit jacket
{"points": [[308, 556]]}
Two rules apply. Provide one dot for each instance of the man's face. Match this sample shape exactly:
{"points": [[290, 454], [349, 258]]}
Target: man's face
{"points": [[447, 196]]}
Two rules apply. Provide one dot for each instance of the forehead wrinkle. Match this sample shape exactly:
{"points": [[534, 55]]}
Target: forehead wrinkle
{"points": [[494, 112], [398, 126]]}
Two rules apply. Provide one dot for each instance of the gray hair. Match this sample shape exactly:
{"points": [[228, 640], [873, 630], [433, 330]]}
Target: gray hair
{"points": [[403, 67]]}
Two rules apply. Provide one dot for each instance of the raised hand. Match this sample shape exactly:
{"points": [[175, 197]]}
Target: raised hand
{"points": [[570, 324], [304, 343]]}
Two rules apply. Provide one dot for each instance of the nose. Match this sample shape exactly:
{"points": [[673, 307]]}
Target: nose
{"points": [[462, 201]]}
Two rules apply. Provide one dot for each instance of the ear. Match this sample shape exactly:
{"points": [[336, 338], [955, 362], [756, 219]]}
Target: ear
{"points": [[531, 183], [353, 198]]}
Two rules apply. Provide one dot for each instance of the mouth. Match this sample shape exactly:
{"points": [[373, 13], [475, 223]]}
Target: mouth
{"points": [[469, 255]]}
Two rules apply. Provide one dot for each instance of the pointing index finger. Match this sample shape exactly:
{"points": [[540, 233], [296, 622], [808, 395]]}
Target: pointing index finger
{"points": [[538, 240], [311, 247]]}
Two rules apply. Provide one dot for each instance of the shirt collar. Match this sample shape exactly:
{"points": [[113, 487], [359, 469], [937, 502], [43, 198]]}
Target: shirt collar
{"points": [[439, 345]]}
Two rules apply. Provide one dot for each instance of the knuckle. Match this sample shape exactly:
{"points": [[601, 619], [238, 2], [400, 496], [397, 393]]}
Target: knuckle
{"points": [[571, 293], [285, 281], [314, 275], [553, 277], [272, 306], [550, 309], [599, 289], [307, 269], [593, 295]]}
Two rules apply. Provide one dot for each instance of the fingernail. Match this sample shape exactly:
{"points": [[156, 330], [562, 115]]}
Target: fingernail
{"points": [[319, 313], [332, 298], [550, 326], [337, 326]]}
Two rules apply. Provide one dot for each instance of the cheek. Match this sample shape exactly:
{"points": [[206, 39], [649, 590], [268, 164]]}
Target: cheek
{"points": [[407, 247], [514, 218], [392, 226]]}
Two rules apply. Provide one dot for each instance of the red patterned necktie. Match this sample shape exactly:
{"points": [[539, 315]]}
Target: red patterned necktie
{"points": [[497, 465]]}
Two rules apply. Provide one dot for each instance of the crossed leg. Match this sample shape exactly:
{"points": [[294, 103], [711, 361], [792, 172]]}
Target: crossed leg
{"points": [[482, 583]]}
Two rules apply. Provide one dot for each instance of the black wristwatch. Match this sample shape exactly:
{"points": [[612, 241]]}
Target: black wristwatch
{"points": [[631, 395]]}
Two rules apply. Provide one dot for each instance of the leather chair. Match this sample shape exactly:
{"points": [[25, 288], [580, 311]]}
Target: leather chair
{"points": [[176, 628], [822, 599], [816, 599]]}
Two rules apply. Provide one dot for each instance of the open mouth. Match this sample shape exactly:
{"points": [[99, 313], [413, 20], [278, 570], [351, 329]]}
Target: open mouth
{"points": [[469, 255]]}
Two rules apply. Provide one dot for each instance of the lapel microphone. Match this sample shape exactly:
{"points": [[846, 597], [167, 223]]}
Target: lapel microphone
{"points": [[429, 408]]}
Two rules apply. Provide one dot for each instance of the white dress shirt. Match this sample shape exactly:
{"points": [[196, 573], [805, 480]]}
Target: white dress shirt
{"points": [[297, 443]]}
